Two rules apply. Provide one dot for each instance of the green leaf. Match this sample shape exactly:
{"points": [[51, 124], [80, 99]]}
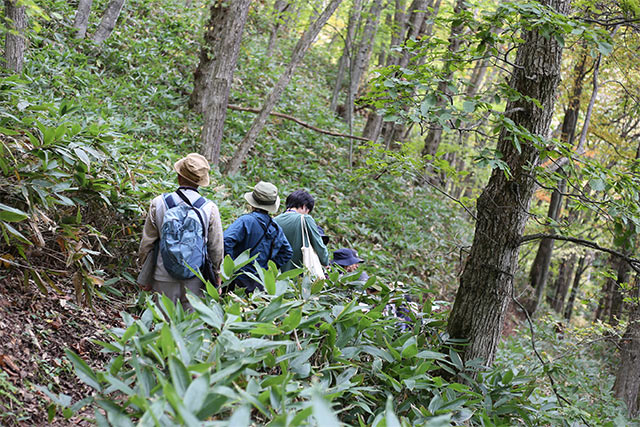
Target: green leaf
{"points": [[241, 417], [293, 320], [196, 393], [180, 377], [322, 412], [212, 316], [389, 415], [10, 214], [83, 371], [469, 106]]}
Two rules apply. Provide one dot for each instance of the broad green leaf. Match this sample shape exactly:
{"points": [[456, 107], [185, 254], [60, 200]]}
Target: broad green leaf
{"points": [[10, 214], [180, 377], [322, 412], [83, 371]]}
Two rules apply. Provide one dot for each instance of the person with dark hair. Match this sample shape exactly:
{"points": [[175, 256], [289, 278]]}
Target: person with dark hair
{"points": [[259, 233], [299, 206]]}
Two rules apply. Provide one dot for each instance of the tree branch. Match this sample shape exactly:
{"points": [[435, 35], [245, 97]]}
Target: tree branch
{"points": [[298, 121], [633, 262]]}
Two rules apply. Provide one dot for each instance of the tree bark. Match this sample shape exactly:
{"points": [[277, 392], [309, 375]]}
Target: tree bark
{"points": [[214, 76], [576, 285], [108, 22], [486, 283], [361, 56], [279, 8], [296, 57], [15, 42], [346, 60], [623, 270], [627, 382], [81, 21], [434, 135], [540, 267], [565, 273]]}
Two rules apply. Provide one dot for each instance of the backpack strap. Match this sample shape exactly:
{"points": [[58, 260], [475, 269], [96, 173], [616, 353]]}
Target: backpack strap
{"points": [[169, 201], [196, 207]]}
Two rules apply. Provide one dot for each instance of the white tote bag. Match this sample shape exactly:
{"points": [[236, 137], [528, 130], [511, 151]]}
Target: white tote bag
{"points": [[310, 259]]}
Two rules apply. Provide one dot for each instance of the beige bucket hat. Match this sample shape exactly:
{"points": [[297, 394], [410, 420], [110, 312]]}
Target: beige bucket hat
{"points": [[264, 196], [195, 168]]}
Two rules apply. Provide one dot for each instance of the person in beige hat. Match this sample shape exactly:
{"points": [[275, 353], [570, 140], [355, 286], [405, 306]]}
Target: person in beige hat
{"points": [[257, 232], [193, 172]]}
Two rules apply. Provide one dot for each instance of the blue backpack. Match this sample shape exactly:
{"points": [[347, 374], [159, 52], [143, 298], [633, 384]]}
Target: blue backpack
{"points": [[182, 237]]}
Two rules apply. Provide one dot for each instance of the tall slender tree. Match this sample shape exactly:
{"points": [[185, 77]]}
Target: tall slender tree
{"points": [[299, 50], [214, 76], [81, 21], [486, 284]]}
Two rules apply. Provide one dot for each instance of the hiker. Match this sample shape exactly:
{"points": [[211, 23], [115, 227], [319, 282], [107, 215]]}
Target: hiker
{"points": [[163, 225], [348, 259], [299, 205], [258, 232]]}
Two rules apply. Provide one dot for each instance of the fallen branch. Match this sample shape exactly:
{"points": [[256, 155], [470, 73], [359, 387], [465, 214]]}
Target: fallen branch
{"points": [[298, 121], [633, 262]]}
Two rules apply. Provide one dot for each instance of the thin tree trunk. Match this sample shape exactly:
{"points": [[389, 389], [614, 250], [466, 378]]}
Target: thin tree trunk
{"points": [[15, 42], [349, 56], [81, 21], [477, 75], [540, 266], [627, 382], [360, 60], [214, 76], [337, 88], [565, 273], [434, 135], [486, 283], [617, 295], [296, 57], [108, 22], [576, 285], [279, 8]]}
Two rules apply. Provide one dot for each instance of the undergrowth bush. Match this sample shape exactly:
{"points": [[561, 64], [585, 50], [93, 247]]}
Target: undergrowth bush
{"points": [[300, 353]]}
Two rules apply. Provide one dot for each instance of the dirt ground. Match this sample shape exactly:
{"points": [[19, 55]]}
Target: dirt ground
{"points": [[34, 331]]}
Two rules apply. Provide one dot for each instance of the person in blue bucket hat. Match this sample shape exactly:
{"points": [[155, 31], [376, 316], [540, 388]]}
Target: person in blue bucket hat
{"points": [[349, 260]]}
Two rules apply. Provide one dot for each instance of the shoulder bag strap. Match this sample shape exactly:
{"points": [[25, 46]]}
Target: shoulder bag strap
{"points": [[305, 232], [266, 229]]}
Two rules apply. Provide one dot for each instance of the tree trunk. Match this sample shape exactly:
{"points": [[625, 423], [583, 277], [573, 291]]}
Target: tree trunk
{"points": [[540, 266], [219, 54], [15, 42], [565, 273], [434, 135], [373, 126], [627, 382], [108, 22], [337, 88], [81, 21], [214, 76], [486, 283], [348, 55], [360, 60], [296, 57], [279, 8], [576, 285], [623, 271]]}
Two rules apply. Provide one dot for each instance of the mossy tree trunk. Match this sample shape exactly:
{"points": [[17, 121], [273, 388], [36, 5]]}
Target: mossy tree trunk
{"points": [[486, 284], [627, 382]]}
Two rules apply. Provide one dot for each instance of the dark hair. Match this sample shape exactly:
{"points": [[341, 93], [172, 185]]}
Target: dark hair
{"points": [[300, 199]]}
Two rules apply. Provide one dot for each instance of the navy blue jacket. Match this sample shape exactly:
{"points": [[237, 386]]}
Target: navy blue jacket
{"points": [[247, 230]]}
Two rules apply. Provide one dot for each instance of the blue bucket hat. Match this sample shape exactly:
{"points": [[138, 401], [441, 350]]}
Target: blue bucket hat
{"points": [[345, 257]]}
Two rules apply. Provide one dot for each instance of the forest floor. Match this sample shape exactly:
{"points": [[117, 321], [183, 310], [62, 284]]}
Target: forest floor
{"points": [[34, 331]]}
